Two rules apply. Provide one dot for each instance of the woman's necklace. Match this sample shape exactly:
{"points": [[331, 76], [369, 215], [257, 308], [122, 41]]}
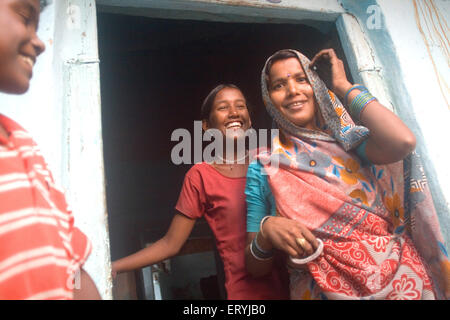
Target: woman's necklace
{"points": [[231, 163]]}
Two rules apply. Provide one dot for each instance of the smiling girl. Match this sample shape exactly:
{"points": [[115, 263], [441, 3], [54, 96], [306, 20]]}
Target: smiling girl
{"points": [[215, 191]]}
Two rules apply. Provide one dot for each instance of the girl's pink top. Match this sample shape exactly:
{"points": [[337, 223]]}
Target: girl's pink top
{"points": [[221, 200]]}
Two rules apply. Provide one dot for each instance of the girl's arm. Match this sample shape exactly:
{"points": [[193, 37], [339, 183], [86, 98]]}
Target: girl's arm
{"points": [[166, 247], [390, 139]]}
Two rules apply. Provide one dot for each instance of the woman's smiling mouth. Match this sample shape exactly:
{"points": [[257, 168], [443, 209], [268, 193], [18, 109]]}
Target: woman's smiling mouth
{"points": [[296, 105]]}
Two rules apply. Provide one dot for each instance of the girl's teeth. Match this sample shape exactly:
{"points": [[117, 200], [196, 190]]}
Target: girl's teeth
{"points": [[233, 125]]}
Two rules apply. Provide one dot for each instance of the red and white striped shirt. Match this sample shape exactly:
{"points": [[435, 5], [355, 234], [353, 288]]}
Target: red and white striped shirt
{"points": [[40, 249]]}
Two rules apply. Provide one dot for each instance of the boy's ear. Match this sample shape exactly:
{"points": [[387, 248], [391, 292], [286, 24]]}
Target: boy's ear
{"points": [[205, 125]]}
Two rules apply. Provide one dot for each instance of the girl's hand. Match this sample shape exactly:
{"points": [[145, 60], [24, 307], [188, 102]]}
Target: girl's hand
{"points": [[289, 236], [113, 271], [338, 77]]}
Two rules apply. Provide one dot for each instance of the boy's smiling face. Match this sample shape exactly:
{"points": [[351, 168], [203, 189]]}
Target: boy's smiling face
{"points": [[19, 44]]}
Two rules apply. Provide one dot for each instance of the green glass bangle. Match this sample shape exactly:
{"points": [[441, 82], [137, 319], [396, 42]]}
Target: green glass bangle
{"points": [[359, 103], [356, 86]]}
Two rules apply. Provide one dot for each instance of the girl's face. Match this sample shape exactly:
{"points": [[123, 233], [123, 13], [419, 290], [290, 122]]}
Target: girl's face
{"points": [[19, 44], [291, 93], [229, 113]]}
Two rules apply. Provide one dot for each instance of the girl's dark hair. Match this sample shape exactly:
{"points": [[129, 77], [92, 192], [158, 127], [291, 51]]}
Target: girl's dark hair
{"points": [[280, 55], [209, 100]]}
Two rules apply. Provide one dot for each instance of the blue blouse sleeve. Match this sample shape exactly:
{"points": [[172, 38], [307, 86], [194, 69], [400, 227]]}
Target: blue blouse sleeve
{"points": [[361, 152], [260, 201]]}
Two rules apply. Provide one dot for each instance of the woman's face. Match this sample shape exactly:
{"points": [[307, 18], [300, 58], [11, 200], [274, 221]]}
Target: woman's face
{"points": [[19, 44], [229, 113], [291, 93]]}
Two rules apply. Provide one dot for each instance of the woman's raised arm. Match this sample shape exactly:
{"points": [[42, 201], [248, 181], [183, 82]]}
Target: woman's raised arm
{"points": [[390, 139]]}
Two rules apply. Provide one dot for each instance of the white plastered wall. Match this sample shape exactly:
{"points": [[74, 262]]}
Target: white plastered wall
{"points": [[420, 34]]}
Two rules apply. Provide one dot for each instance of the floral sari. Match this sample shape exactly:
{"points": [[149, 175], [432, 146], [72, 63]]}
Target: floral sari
{"points": [[378, 224]]}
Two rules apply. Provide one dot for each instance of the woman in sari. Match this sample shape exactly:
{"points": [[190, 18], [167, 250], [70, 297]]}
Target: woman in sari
{"points": [[348, 204]]}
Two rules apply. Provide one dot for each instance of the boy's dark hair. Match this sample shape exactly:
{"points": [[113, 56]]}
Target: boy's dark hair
{"points": [[280, 55], [209, 100]]}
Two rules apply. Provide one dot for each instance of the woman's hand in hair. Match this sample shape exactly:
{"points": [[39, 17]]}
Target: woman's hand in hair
{"points": [[390, 139], [327, 58]]}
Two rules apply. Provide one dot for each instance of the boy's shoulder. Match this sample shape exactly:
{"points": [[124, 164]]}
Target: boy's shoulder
{"points": [[9, 124]]}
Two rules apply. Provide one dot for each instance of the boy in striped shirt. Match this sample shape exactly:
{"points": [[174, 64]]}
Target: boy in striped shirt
{"points": [[41, 252]]}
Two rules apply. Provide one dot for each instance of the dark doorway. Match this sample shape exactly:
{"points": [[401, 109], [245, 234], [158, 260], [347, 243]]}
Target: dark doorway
{"points": [[155, 74]]}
